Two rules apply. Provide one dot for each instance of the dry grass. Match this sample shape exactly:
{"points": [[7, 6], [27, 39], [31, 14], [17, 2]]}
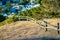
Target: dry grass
{"points": [[26, 29]]}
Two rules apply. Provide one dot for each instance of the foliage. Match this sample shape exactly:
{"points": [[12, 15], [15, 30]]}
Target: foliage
{"points": [[2, 18], [0, 9], [9, 20], [51, 5], [48, 9], [8, 5], [2, 23], [39, 13]]}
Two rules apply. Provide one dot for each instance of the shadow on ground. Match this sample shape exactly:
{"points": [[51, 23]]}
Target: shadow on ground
{"points": [[43, 38]]}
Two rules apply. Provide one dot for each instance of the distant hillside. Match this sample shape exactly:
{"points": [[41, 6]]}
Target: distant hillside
{"points": [[47, 8]]}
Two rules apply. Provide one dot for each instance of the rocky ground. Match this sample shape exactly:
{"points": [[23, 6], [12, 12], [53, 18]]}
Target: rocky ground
{"points": [[28, 30]]}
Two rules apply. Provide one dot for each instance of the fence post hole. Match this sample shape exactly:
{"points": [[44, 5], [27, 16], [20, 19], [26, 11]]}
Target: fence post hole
{"points": [[58, 27], [46, 26]]}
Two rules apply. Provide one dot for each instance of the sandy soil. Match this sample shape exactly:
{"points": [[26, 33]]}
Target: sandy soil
{"points": [[27, 30]]}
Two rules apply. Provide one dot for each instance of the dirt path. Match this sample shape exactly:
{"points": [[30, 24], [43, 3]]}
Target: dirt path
{"points": [[25, 29]]}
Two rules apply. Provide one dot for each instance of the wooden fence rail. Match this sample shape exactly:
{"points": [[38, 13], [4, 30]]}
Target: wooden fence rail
{"points": [[47, 27], [25, 18], [41, 25]]}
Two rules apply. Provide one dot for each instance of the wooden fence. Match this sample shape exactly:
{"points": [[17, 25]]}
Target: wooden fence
{"points": [[54, 27], [45, 26], [25, 18]]}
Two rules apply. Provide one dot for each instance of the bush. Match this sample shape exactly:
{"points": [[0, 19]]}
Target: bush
{"points": [[2, 18], [2, 23]]}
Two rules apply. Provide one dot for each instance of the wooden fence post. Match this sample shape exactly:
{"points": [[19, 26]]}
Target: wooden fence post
{"points": [[58, 27], [46, 26]]}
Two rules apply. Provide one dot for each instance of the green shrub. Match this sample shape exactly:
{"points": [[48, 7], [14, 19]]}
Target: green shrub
{"points": [[2, 23], [2, 18]]}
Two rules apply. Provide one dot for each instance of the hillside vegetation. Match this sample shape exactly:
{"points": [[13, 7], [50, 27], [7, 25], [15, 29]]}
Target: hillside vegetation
{"points": [[47, 9]]}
